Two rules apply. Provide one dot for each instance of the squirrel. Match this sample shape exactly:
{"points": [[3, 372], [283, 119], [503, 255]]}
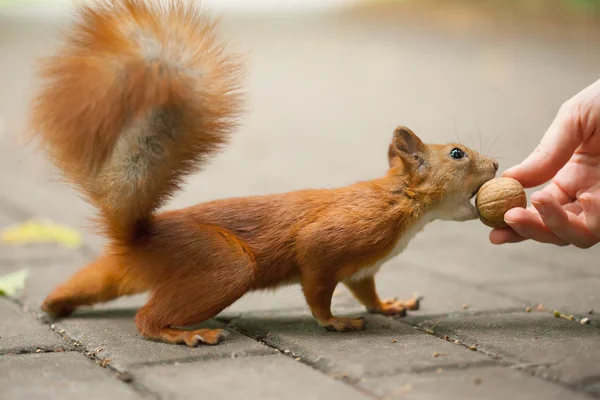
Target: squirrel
{"points": [[142, 94]]}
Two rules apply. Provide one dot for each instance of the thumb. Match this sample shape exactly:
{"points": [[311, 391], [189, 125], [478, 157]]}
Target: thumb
{"points": [[556, 148]]}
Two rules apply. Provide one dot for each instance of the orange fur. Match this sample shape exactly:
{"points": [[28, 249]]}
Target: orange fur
{"points": [[140, 96]]}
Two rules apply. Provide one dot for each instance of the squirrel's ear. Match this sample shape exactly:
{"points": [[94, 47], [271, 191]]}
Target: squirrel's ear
{"points": [[406, 149], [407, 142]]}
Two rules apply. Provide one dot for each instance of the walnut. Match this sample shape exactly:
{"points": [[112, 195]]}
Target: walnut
{"points": [[496, 197]]}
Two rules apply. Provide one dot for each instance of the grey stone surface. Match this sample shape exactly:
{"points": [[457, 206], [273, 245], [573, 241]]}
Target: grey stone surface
{"points": [[5, 218], [34, 254], [551, 347], [467, 255], [64, 376], [20, 332], [396, 279], [572, 295], [385, 347], [483, 382], [267, 377], [44, 277], [112, 334]]}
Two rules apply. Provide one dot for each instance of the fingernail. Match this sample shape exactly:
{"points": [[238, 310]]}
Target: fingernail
{"points": [[585, 204], [512, 224]]}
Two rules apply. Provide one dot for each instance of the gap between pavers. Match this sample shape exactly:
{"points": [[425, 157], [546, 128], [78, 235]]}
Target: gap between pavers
{"points": [[22, 333]]}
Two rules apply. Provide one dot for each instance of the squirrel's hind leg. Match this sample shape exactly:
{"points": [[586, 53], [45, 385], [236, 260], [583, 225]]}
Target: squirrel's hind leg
{"points": [[102, 280], [221, 271]]}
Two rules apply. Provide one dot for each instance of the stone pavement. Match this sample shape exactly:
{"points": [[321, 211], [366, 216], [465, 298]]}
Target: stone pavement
{"points": [[325, 95]]}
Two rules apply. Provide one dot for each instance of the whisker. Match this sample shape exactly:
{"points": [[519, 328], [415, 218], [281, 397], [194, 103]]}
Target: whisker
{"points": [[456, 130], [479, 134], [495, 140]]}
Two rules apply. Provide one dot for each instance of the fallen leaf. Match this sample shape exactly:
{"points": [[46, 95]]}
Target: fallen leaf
{"points": [[38, 231], [13, 282]]}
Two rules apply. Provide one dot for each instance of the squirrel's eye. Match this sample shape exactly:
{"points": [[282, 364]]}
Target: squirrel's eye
{"points": [[457, 153]]}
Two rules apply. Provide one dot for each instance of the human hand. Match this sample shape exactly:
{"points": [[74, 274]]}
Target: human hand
{"points": [[567, 210]]}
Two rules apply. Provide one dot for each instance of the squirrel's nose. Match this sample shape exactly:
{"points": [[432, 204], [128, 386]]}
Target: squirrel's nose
{"points": [[495, 164]]}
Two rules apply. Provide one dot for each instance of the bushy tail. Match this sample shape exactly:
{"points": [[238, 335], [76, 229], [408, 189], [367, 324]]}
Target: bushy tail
{"points": [[137, 97]]}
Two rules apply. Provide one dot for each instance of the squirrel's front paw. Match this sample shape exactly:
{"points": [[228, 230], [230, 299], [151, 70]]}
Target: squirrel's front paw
{"points": [[345, 324]]}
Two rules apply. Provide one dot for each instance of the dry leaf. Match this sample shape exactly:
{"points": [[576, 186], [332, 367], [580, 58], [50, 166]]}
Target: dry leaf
{"points": [[38, 231]]}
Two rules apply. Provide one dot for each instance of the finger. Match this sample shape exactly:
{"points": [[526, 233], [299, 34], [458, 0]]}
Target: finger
{"points": [[556, 191], [556, 148], [563, 224], [573, 208], [591, 210], [505, 235], [530, 226]]}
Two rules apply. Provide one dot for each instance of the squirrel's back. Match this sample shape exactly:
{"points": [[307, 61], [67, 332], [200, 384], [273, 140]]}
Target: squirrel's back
{"points": [[136, 97]]}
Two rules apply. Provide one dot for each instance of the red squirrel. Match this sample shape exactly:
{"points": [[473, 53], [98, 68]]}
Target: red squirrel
{"points": [[139, 96]]}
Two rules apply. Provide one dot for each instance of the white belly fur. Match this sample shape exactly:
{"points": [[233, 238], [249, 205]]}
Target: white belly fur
{"points": [[400, 246]]}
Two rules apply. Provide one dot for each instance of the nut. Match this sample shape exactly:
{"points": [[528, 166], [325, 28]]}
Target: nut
{"points": [[496, 197]]}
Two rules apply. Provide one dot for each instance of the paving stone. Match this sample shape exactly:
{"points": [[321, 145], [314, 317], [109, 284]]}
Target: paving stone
{"points": [[483, 382], [266, 377], [577, 296], [112, 334], [61, 376], [385, 347], [538, 342], [20, 332]]}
